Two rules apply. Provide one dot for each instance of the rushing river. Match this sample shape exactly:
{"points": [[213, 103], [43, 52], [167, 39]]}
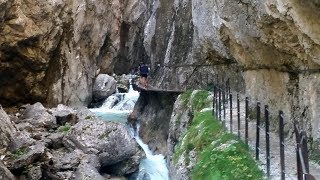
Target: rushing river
{"points": [[116, 108]]}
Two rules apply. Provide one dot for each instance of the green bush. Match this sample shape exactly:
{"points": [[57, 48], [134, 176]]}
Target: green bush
{"points": [[64, 128]]}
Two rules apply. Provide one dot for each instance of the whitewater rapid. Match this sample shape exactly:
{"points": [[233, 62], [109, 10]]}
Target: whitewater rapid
{"points": [[116, 108]]}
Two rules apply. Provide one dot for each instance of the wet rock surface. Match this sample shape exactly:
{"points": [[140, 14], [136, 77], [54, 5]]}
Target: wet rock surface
{"points": [[152, 111], [110, 141]]}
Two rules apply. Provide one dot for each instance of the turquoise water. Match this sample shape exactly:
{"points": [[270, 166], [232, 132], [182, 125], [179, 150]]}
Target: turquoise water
{"points": [[111, 115]]}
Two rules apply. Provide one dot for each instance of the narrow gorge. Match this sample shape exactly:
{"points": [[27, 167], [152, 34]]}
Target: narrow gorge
{"points": [[58, 57]]}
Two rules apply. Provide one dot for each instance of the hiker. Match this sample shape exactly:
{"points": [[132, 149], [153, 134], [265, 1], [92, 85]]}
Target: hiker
{"points": [[144, 71]]}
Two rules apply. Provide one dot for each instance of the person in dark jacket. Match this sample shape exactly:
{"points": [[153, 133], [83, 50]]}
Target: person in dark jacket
{"points": [[144, 71]]}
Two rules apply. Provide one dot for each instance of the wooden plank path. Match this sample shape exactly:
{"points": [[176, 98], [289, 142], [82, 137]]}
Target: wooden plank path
{"points": [[149, 88]]}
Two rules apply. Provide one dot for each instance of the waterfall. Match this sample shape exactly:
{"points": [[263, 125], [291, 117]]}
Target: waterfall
{"points": [[116, 108], [153, 167]]}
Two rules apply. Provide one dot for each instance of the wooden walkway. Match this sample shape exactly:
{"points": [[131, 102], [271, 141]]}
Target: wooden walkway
{"points": [[149, 88]]}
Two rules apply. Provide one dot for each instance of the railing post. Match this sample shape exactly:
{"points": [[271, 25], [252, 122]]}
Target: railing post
{"points": [[299, 167], [213, 101], [281, 131], [238, 113], [230, 100], [219, 90], [228, 86], [258, 131], [217, 102], [304, 149], [267, 121], [224, 103], [246, 120]]}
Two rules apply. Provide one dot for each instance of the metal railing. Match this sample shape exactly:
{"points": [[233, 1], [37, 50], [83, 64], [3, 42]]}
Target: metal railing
{"points": [[224, 98]]}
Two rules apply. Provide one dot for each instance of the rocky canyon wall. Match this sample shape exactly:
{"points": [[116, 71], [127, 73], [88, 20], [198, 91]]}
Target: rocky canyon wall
{"points": [[50, 51], [269, 49]]}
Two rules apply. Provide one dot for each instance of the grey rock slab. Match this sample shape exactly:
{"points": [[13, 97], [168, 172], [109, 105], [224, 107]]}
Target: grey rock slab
{"points": [[63, 161], [7, 130], [32, 154], [92, 159], [35, 173], [83, 113], [86, 171], [38, 116], [23, 139], [109, 140], [127, 166]]}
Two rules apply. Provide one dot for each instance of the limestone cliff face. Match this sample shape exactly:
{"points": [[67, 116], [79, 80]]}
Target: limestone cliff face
{"points": [[269, 49], [50, 50]]}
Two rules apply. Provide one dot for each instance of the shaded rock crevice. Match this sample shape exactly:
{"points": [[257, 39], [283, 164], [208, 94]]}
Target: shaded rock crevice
{"points": [[152, 112]]}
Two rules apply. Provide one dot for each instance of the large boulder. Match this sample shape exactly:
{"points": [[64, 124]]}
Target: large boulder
{"points": [[109, 140], [128, 166], [103, 87], [38, 116], [7, 131], [27, 156], [87, 171]]}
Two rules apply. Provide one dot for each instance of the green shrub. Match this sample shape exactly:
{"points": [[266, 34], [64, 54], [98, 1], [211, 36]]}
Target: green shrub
{"points": [[64, 128], [19, 152]]}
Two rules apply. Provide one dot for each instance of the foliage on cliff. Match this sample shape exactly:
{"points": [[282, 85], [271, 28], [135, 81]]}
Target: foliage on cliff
{"points": [[218, 155]]}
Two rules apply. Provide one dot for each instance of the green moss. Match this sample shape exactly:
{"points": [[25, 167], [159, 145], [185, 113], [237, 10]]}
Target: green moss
{"points": [[220, 155], [185, 97], [88, 117], [64, 128], [314, 150], [199, 101], [19, 152], [178, 120], [103, 135], [315, 157]]}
